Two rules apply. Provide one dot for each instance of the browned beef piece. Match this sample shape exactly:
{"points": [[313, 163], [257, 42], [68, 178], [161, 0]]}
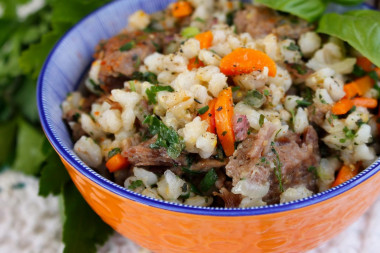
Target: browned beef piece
{"points": [[256, 159], [299, 72], [143, 155], [317, 113], [116, 61], [240, 125], [260, 21], [230, 199], [205, 165]]}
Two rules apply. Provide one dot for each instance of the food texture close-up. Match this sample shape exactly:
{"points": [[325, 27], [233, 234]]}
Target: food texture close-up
{"points": [[190, 126]]}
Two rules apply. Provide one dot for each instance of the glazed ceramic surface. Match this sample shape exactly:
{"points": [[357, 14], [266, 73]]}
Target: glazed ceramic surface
{"points": [[168, 227]]}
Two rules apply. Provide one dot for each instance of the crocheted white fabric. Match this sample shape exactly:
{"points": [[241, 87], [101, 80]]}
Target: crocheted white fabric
{"points": [[29, 223]]}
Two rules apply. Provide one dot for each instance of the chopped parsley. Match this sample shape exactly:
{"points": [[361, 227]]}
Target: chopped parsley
{"points": [[358, 71], [76, 117], [135, 184], [313, 170], [254, 98], [203, 110], [350, 134], [127, 46], [266, 92], [113, 152], [167, 137], [293, 47], [132, 86], [146, 76], [235, 88], [299, 68], [208, 181], [95, 86], [201, 20], [277, 169], [261, 120], [303, 103], [224, 133], [152, 92], [373, 75]]}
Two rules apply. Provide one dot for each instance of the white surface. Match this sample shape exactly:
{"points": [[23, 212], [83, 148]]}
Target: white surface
{"points": [[29, 223]]}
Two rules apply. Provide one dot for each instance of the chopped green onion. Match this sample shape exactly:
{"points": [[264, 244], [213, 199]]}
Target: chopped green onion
{"points": [[303, 103], [203, 110], [189, 32]]}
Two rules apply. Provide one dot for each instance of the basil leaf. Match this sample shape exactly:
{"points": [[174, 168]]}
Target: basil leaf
{"points": [[309, 10], [152, 92], [360, 29], [208, 181]]}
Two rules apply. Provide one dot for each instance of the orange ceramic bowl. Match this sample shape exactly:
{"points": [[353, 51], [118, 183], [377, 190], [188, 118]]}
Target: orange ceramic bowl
{"points": [[169, 227]]}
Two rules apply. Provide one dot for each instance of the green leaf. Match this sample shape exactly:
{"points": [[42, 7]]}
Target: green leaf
{"points": [[83, 229], [360, 29], [127, 46], [254, 98], [29, 156], [203, 110], [53, 176], [309, 10], [208, 181], [113, 152], [25, 99], [152, 92], [7, 133], [190, 32]]}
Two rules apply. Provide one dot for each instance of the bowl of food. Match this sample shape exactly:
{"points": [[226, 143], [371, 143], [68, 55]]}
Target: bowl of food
{"points": [[214, 124]]}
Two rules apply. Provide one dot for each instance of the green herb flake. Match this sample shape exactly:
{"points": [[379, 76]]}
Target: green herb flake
{"points": [[293, 47], [146, 76], [135, 184], [203, 110], [152, 92], [299, 68], [132, 86], [277, 169], [201, 20], [235, 88], [224, 133], [254, 98], [373, 75], [127, 46], [342, 140], [303, 103], [190, 32], [167, 137], [358, 71], [114, 152], [313, 170], [266, 92], [350, 134], [261, 120], [208, 181]]}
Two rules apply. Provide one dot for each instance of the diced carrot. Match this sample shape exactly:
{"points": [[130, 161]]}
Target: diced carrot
{"points": [[364, 84], [351, 90], [364, 63], [246, 60], [365, 102], [117, 162], [195, 63], [342, 106], [223, 120], [209, 116], [205, 39], [181, 9], [346, 173]]}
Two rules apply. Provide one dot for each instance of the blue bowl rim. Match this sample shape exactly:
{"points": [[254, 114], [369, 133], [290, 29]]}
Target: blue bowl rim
{"points": [[125, 193]]}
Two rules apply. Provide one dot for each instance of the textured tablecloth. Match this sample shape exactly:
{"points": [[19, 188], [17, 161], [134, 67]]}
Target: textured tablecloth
{"points": [[29, 223]]}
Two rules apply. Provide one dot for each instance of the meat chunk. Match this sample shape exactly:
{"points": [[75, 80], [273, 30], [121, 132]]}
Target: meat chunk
{"points": [[318, 112], [144, 155], [230, 199], [241, 126], [260, 21], [123, 54], [260, 160]]}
